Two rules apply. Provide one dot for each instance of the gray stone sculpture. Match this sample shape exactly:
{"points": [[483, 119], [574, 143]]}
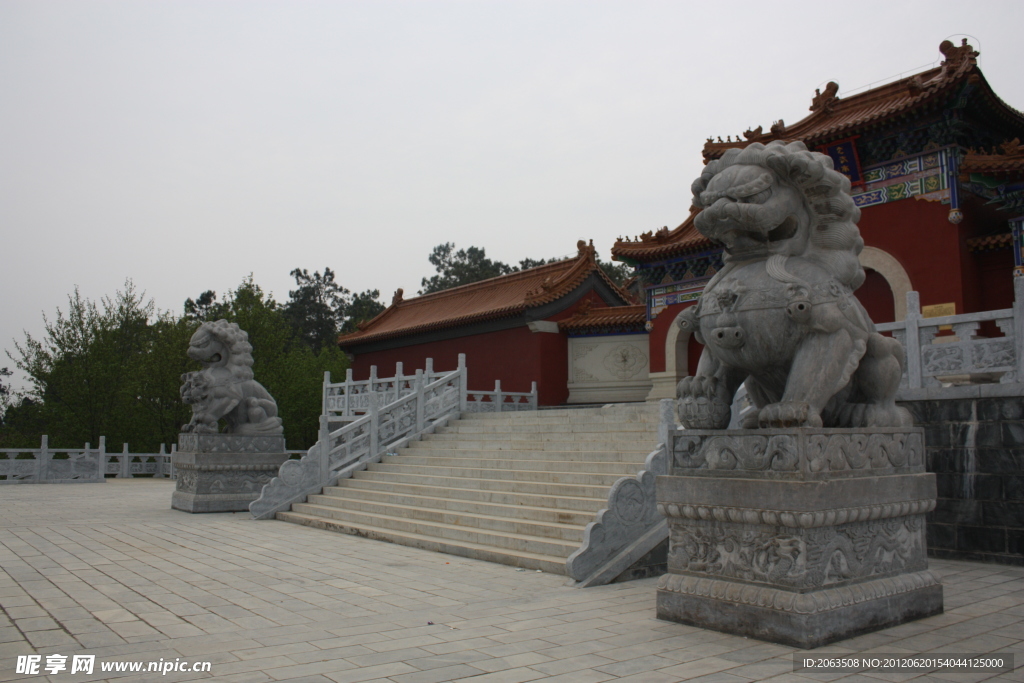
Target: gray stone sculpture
{"points": [[225, 389], [807, 525], [225, 471], [781, 314]]}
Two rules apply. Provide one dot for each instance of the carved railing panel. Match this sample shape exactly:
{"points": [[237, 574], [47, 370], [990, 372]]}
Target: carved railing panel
{"points": [[366, 439], [934, 358]]}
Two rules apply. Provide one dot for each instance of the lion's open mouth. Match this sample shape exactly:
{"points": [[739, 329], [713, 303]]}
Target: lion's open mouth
{"points": [[785, 230]]}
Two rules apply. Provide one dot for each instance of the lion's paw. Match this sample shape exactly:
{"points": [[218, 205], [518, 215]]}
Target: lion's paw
{"points": [[789, 414], [703, 403]]}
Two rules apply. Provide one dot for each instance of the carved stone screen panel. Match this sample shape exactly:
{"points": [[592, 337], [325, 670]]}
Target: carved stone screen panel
{"points": [[609, 369]]}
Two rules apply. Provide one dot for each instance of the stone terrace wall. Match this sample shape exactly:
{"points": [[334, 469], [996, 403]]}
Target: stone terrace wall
{"points": [[975, 447]]}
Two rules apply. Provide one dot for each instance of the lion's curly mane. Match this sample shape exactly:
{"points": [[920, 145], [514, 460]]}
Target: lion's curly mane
{"points": [[834, 241], [236, 341]]}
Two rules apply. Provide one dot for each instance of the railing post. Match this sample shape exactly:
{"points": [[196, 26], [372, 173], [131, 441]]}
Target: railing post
{"points": [[348, 392], [103, 457], [326, 391], [374, 423], [399, 382], [43, 459], [325, 449], [174, 470], [420, 396], [497, 395], [161, 457], [428, 369], [913, 338], [125, 472], [372, 386], [463, 382], [533, 395], [1018, 325]]}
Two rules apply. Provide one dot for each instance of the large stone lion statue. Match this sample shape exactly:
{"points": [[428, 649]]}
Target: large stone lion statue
{"points": [[224, 388], [781, 314]]}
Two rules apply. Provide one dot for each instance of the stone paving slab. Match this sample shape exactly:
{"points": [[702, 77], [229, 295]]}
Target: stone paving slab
{"points": [[110, 570]]}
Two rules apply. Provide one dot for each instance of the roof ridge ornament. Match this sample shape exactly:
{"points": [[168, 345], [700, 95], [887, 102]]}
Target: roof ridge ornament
{"points": [[825, 101], [397, 298], [958, 58]]}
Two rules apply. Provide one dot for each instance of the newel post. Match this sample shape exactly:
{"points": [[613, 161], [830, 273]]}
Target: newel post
{"points": [[913, 340], [463, 382], [420, 400], [43, 459], [374, 410], [327, 384], [103, 457], [497, 396], [125, 471], [325, 448], [1018, 324]]}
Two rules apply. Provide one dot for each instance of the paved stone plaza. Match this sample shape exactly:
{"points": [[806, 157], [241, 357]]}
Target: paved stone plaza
{"points": [[110, 570]]}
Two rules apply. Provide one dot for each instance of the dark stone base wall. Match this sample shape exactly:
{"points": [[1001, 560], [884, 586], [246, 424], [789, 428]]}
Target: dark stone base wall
{"points": [[975, 447]]}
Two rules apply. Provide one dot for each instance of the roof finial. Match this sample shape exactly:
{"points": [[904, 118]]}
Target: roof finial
{"points": [[825, 100], [397, 298], [958, 59]]}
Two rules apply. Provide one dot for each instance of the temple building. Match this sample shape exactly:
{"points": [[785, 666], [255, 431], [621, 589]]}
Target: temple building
{"points": [[509, 327], [936, 168]]}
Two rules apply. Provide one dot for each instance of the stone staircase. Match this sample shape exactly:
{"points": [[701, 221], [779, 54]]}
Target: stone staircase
{"points": [[515, 488]]}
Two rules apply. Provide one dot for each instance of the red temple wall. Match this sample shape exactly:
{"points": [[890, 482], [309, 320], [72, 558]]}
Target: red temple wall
{"points": [[515, 356], [918, 234]]}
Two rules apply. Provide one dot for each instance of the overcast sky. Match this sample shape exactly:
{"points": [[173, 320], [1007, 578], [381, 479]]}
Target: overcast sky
{"points": [[185, 145]]}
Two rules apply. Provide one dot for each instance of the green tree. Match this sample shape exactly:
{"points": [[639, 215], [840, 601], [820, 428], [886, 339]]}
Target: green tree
{"points": [[81, 370], [455, 268], [316, 309], [361, 307]]}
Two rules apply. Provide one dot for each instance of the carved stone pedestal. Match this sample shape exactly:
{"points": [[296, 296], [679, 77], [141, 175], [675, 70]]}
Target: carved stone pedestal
{"points": [[797, 536], [224, 472]]}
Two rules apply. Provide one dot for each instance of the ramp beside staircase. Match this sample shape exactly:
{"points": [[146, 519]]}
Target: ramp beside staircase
{"points": [[515, 488]]}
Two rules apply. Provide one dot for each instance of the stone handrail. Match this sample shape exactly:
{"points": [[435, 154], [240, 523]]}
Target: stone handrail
{"points": [[81, 465], [630, 526], [384, 428], [499, 401], [928, 359], [348, 400]]}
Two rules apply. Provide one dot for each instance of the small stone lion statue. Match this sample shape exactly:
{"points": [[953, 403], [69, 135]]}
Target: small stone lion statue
{"points": [[781, 314], [224, 388]]}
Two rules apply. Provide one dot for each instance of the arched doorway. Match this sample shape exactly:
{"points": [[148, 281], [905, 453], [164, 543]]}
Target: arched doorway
{"points": [[877, 298], [895, 277]]}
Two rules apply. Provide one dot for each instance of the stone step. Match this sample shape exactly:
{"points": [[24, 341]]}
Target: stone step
{"points": [[372, 488], [622, 437], [509, 485], [645, 446], [516, 488], [554, 565], [621, 468], [636, 457], [516, 542], [606, 428], [369, 500], [518, 475], [566, 416], [518, 522]]}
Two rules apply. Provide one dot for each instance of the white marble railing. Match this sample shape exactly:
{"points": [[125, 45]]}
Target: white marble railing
{"points": [[45, 465], [965, 357], [346, 401], [382, 429]]}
